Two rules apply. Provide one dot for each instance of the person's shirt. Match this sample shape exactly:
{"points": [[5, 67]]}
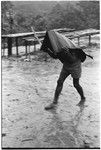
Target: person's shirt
{"points": [[68, 60], [73, 65], [76, 62]]}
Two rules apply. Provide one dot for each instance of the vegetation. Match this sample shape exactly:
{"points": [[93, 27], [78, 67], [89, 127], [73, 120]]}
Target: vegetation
{"points": [[20, 16]]}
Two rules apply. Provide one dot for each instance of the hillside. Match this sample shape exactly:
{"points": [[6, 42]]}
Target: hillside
{"points": [[34, 6], [40, 7], [52, 14]]}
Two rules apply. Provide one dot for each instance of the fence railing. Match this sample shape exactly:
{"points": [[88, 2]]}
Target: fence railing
{"points": [[21, 36]]}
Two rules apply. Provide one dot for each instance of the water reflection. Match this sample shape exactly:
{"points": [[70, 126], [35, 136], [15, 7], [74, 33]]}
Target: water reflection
{"points": [[66, 131], [58, 135], [57, 119], [78, 115]]}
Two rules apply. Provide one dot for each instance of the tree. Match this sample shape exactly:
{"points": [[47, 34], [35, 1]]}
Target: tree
{"points": [[91, 13], [55, 18], [6, 7], [78, 15]]}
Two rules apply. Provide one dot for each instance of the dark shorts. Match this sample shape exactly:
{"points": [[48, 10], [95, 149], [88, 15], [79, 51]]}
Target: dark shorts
{"points": [[74, 71]]}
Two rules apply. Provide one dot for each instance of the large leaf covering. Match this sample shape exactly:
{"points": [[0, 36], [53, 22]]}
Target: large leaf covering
{"points": [[59, 41]]}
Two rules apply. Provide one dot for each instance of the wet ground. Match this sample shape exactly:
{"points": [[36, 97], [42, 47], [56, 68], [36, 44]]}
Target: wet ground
{"points": [[27, 87]]}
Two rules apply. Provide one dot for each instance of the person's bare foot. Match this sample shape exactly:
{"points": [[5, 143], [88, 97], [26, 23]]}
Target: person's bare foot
{"points": [[51, 106], [81, 103]]}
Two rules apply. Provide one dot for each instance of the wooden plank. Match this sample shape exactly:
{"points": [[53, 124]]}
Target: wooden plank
{"points": [[26, 48], [3, 47], [17, 35], [9, 46], [82, 33], [17, 46], [31, 39], [23, 34], [42, 33], [36, 36], [63, 30], [89, 39], [72, 35]]}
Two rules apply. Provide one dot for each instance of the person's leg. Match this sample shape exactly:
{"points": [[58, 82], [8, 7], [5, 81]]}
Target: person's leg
{"points": [[62, 77], [79, 89], [58, 91], [59, 87]]}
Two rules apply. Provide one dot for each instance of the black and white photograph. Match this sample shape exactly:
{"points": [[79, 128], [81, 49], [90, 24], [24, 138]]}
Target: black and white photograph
{"points": [[50, 74]]}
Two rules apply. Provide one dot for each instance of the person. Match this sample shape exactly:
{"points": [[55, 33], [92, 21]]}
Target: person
{"points": [[69, 68]]}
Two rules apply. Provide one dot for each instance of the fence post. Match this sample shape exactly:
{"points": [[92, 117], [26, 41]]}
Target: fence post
{"points": [[89, 39], [17, 46], [9, 46], [26, 48]]}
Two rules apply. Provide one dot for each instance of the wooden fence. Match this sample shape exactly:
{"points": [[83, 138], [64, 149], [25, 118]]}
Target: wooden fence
{"points": [[24, 36]]}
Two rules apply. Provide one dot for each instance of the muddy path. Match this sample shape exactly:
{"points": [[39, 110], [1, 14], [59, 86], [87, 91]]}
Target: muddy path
{"points": [[27, 87]]}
